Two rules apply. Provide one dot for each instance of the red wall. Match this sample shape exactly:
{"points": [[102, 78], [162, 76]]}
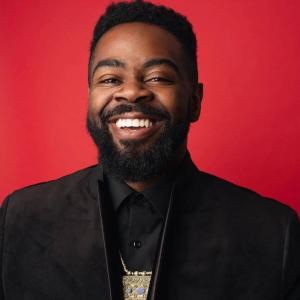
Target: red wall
{"points": [[249, 62]]}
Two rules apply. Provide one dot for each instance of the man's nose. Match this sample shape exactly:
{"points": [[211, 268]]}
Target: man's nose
{"points": [[133, 91]]}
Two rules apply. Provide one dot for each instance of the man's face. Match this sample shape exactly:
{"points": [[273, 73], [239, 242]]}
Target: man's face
{"points": [[140, 93]]}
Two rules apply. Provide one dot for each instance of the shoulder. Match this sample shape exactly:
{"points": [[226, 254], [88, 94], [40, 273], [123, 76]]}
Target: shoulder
{"points": [[239, 214], [236, 200], [49, 191]]}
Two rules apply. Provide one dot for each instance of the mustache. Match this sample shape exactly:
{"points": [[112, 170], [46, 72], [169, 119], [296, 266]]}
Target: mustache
{"points": [[138, 107]]}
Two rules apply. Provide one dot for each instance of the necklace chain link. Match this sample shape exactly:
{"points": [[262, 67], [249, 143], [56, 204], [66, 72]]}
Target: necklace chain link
{"points": [[136, 273]]}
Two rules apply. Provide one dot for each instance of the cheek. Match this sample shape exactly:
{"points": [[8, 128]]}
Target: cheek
{"points": [[176, 103], [97, 102]]}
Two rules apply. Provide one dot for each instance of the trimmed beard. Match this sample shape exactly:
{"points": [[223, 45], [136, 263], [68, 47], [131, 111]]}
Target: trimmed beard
{"points": [[137, 162]]}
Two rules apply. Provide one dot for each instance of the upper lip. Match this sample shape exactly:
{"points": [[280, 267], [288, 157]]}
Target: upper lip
{"points": [[133, 115]]}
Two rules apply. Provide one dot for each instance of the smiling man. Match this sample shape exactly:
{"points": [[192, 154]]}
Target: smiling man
{"points": [[142, 99], [145, 223]]}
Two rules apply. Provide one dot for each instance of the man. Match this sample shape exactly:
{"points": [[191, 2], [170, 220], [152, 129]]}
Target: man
{"points": [[145, 222]]}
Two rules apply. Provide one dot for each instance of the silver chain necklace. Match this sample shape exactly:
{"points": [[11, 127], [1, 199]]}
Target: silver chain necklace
{"points": [[135, 284]]}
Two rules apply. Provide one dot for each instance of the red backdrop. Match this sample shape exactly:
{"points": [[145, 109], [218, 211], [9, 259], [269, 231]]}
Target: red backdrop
{"points": [[249, 62]]}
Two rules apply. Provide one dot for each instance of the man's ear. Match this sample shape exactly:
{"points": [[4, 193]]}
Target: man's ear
{"points": [[195, 105]]}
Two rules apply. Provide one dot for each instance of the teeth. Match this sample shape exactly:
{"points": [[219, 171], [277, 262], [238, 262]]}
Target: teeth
{"points": [[119, 123], [134, 123], [127, 123]]}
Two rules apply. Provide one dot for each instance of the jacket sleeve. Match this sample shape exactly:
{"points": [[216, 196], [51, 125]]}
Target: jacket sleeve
{"points": [[291, 260], [3, 210]]}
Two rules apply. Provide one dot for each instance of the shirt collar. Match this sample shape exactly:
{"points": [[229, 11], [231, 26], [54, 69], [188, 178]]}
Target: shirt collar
{"points": [[158, 195], [117, 190]]}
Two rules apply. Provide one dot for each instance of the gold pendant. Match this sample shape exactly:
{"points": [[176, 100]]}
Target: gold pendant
{"points": [[136, 286]]}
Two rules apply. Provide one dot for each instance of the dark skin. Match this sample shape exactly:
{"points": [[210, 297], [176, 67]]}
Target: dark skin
{"points": [[138, 62]]}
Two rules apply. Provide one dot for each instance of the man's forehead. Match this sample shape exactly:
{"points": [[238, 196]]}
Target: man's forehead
{"points": [[140, 35], [138, 39]]}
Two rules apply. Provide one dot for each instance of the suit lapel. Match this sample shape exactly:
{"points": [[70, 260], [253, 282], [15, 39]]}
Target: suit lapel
{"points": [[157, 284], [110, 242]]}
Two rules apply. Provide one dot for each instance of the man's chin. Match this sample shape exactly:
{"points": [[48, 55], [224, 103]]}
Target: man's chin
{"points": [[133, 149]]}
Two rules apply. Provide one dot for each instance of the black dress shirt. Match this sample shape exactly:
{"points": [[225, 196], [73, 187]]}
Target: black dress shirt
{"points": [[140, 218]]}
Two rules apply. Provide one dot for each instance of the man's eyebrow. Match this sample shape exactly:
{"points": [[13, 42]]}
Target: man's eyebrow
{"points": [[108, 63], [161, 61]]}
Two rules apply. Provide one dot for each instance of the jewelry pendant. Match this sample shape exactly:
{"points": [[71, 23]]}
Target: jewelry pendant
{"points": [[136, 286]]}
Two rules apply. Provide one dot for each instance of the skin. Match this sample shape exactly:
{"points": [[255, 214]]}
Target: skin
{"points": [[138, 62]]}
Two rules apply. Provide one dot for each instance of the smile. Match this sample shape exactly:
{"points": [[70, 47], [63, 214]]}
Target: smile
{"points": [[134, 123], [134, 126]]}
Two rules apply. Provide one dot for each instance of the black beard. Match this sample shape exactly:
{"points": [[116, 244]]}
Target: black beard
{"points": [[137, 162]]}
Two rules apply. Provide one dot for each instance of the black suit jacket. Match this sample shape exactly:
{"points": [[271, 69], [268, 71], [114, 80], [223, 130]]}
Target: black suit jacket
{"points": [[219, 242]]}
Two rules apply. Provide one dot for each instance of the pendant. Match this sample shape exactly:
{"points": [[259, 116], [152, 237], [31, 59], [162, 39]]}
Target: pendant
{"points": [[136, 286]]}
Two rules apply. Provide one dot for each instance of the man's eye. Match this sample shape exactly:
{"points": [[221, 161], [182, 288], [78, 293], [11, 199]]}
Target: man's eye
{"points": [[159, 79], [109, 81]]}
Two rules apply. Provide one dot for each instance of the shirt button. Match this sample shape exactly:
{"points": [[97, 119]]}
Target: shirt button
{"points": [[136, 244]]}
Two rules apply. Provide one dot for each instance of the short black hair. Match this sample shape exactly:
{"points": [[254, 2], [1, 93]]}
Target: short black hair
{"points": [[146, 12]]}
